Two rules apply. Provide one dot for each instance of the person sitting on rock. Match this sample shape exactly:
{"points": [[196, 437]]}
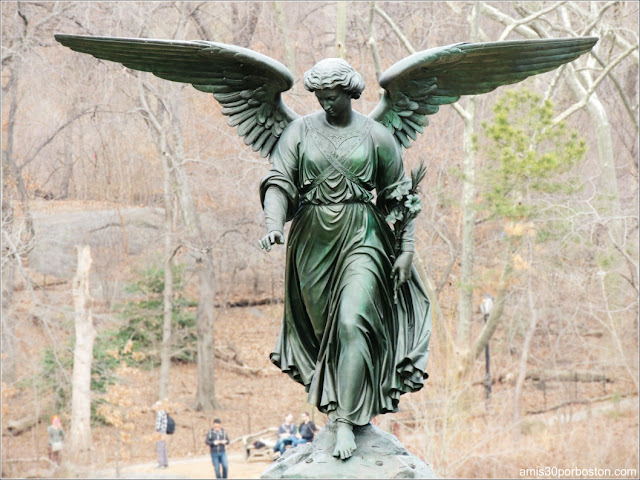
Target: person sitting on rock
{"points": [[306, 430], [286, 435]]}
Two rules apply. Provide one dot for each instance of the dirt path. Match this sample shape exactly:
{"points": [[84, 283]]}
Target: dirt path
{"points": [[196, 467]]}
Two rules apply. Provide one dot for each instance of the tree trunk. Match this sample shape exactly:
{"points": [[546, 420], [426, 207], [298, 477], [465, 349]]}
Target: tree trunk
{"points": [[341, 27], [205, 395], [205, 315], [8, 334], [173, 153], [496, 313], [243, 31], [465, 300], [67, 171], [608, 182], [10, 166], [80, 436], [8, 289], [167, 293], [531, 329], [373, 45], [283, 26]]}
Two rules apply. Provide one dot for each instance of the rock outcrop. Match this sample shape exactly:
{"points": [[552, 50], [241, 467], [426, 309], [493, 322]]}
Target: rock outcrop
{"points": [[378, 455]]}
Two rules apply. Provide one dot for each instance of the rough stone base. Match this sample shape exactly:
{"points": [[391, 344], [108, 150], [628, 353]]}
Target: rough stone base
{"points": [[378, 455]]}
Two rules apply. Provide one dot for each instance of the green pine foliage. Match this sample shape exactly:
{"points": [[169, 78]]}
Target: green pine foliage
{"points": [[526, 156], [143, 318]]}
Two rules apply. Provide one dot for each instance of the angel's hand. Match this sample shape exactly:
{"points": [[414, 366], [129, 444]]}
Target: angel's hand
{"points": [[271, 238], [401, 270]]}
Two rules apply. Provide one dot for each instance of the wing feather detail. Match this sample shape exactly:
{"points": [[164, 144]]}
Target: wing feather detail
{"points": [[247, 84], [416, 86]]}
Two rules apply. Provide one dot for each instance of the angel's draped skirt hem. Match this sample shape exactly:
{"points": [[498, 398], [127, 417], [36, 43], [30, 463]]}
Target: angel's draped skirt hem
{"points": [[342, 337]]}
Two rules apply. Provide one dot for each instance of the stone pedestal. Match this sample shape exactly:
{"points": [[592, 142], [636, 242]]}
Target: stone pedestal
{"points": [[378, 455]]}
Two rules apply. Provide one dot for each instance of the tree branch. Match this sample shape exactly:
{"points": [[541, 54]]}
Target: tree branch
{"points": [[492, 322], [592, 88], [623, 97], [395, 28], [581, 402], [373, 45], [506, 20], [49, 139], [533, 16]]}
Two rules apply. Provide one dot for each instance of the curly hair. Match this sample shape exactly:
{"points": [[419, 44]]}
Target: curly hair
{"points": [[332, 73]]}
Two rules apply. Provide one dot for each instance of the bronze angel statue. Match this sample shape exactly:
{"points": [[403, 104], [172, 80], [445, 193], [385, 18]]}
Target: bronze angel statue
{"points": [[354, 347]]}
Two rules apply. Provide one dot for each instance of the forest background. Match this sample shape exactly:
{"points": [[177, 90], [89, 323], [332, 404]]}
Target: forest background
{"points": [[531, 196]]}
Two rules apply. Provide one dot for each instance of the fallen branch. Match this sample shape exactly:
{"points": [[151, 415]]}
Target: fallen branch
{"points": [[232, 357], [242, 370], [581, 402], [16, 427], [567, 376], [29, 460], [554, 376], [249, 303]]}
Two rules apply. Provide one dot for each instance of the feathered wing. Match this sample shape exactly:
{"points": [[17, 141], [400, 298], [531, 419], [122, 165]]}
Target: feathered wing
{"points": [[247, 84], [416, 86]]}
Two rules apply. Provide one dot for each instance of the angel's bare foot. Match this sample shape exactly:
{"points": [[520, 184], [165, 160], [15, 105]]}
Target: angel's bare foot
{"points": [[345, 441]]}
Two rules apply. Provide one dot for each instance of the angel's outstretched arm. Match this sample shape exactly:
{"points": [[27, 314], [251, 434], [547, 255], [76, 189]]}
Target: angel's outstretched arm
{"points": [[247, 84], [275, 209], [278, 189]]}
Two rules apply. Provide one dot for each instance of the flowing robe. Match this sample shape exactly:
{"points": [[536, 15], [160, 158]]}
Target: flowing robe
{"points": [[343, 337]]}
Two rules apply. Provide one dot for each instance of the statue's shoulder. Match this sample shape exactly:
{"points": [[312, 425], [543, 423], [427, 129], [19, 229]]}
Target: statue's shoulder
{"points": [[381, 133], [378, 129], [313, 118], [296, 126]]}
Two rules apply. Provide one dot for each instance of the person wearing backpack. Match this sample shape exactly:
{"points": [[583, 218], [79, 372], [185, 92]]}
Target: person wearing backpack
{"points": [[162, 420], [171, 425], [217, 440]]}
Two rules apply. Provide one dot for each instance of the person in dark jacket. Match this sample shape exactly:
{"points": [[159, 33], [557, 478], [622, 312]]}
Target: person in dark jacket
{"points": [[217, 440], [306, 430]]}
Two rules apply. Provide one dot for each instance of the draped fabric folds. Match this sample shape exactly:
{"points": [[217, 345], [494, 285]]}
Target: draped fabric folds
{"points": [[343, 337]]}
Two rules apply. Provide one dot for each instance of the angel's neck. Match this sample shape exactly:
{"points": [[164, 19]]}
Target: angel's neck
{"points": [[344, 120]]}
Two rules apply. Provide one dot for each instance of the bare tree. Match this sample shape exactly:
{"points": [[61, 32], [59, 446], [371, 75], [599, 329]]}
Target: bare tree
{"points": [[167, 291], [341, 26], [244, 28], [465, 302], [582, 82], [80, 435]]}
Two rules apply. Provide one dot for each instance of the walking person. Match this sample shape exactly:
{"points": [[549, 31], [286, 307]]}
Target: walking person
{"points": [[161, 430], [217, 440], [56, 437]]}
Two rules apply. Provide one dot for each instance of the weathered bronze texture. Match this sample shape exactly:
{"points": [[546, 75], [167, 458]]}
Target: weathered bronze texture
{"points": [[357, 321]]}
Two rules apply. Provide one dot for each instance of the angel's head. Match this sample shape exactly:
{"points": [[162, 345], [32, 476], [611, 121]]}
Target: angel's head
{"points": [[334, 73]]}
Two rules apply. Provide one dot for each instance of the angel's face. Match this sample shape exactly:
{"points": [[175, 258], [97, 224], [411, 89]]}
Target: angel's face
{"points": [[334, 101]]}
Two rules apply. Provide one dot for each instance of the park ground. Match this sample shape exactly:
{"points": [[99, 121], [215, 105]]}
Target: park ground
{"points": [[196, 467]]}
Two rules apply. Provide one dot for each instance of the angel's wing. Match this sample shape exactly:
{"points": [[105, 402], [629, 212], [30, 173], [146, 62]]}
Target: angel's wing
{"points": [[246, 83], [416, 86]]}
